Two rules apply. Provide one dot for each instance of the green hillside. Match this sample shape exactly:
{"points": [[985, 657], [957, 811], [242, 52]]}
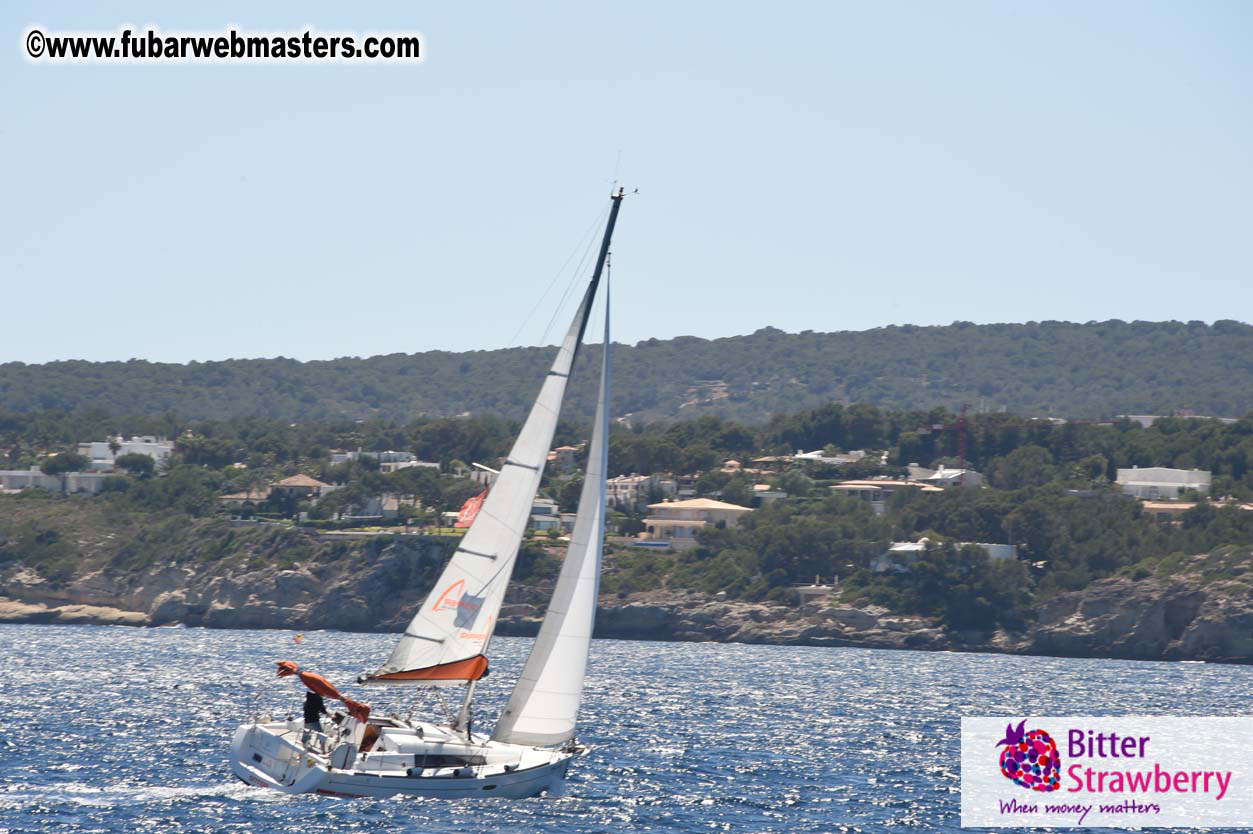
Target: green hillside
{"points": [[1092, 370]]}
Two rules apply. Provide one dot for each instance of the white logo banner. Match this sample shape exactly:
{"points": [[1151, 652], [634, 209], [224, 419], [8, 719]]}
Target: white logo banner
{"points": [[1113, 772]]}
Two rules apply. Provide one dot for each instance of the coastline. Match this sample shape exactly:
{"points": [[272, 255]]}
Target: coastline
{"points": [[1116, 618], [102, 569]]}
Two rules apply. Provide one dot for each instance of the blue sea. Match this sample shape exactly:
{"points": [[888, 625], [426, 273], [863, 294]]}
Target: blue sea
{"points": [[111, 729]]}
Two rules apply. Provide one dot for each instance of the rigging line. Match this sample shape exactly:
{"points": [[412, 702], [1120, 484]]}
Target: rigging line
{"points": [[589, 234], [442, 706], [576, 279]]}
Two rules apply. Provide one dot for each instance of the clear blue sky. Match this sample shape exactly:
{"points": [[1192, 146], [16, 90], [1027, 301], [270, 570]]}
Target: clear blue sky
{"points": [[825, 166]]}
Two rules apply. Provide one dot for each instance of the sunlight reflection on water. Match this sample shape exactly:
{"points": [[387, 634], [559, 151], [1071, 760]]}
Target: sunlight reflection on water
{"points": [[120, 729]]}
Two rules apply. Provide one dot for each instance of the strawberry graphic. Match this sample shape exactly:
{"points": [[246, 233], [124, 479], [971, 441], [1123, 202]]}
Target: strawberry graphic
{"points": [[1030, 759]]}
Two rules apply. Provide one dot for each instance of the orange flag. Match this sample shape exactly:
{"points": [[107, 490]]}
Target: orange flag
{"points": [[469, 510], [316, 683]]}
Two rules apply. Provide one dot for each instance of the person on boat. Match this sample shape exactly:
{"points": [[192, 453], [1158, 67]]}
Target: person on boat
{"points": [[315, 708]]}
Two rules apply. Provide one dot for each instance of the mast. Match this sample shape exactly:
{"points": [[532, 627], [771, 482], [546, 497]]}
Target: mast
{"points": [[543, 708], [604, 245], [463, 716]]}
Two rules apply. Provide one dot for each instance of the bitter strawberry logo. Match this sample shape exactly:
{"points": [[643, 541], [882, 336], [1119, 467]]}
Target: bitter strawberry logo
{"points": [[1030, 759]]}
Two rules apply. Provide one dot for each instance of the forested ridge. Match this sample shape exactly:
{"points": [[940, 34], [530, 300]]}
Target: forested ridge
{"points": [[1093, 370]]}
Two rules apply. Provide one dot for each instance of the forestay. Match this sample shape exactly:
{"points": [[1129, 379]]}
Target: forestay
{"points": [[444, 643], [545, 703]]}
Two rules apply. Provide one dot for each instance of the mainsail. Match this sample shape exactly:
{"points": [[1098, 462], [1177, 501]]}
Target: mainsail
{"points": [[444, 642], [545, 702]]}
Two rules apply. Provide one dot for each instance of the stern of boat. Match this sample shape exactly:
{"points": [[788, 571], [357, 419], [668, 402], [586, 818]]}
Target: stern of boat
{"points": [[271, 756]]}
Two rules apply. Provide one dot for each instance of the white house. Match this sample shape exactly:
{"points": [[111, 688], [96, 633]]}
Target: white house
{"points": [[389, 456], [900, 555], [396, 466], [877, 492], [1147, 420], [388, 461], [1159, 482], [820, 456], [86, 482], [997, 552], [946, 477], [17, 479], [545, 515], [73, 482], [629, 490], [483, 477], [101, 455]]}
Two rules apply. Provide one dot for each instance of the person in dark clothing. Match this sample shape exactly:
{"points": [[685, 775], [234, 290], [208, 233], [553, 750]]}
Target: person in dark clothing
{"points": [[315, 708]]}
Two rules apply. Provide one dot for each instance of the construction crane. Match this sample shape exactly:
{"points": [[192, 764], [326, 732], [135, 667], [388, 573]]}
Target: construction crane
{"points": [[960, 425]]}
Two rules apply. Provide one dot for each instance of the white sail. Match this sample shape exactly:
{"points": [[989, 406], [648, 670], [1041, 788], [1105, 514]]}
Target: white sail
{"points": [[444, 642], [545, 702]]}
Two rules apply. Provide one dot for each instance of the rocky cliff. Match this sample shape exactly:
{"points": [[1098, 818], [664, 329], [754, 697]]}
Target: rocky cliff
{"points": [[372, 585], [1197, 609]]}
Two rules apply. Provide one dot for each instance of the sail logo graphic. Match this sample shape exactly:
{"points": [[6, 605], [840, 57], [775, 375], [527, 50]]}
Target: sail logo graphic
{"points": [[482, 635], [466, 606], [1030, 759]]}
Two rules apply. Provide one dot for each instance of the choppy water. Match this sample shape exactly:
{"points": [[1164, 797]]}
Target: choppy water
{"points": [[119, 729]]}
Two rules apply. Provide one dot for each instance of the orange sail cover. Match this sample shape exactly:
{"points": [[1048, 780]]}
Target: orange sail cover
{"points": [[316, 683], [470, 669]]}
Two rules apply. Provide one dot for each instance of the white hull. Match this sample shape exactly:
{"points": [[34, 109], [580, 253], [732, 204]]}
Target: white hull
{"points": [[407, 759]]}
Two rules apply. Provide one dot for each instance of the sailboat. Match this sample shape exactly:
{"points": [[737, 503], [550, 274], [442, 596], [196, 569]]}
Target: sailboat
{"points": [[446, 644]]}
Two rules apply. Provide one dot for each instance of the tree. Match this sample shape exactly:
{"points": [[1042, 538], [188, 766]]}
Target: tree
{"points": [[738, 491], [568, 500], [1081, 370], [140, 466], [456, 491], [63, 462], [699, 459], [1091, 468], [796, 483], [1026, 466]]}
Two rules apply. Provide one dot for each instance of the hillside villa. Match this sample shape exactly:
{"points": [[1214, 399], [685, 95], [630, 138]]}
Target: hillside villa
{"points": [[1154, 482], [676, 522], [877, 492], [302, 486], [944, 477], [388, 461], [297, 486], [563, 457], [71, 483], [103, 453], [900, 555], [629, 490]]}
